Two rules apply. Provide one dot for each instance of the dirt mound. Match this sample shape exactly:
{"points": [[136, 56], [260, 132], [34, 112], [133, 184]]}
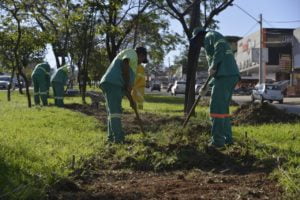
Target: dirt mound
{"points": [[257, 113]]}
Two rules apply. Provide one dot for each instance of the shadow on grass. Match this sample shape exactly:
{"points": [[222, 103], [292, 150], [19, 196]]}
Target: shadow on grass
{"points": [[16, 183]]}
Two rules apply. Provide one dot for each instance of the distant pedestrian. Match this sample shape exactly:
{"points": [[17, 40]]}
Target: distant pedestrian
{"points": [[117, 82], [58, 81], [41, 83], [225, 73]]}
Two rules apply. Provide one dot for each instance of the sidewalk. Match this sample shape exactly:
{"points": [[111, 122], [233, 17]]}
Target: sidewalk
{"points": [[291, 100], [286, 100]]}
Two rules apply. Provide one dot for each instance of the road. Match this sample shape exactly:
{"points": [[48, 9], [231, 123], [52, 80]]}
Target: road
{"points": [[290, 104]]}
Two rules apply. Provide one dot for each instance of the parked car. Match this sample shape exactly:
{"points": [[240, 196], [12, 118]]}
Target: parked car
{"points": [[155, 86], [164, 85], [5, 82], [267, 92], [283, 85], [178, 88], [22, 82], [243, 91]]}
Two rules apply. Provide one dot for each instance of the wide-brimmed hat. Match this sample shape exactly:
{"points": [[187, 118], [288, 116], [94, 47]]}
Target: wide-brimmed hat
{"points": [[196, 31], [142, 50]]}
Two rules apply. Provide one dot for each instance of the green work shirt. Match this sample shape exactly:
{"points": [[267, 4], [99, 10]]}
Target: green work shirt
{"points": [[219, 55], [61, 75], [42, 69], [113, 74]]}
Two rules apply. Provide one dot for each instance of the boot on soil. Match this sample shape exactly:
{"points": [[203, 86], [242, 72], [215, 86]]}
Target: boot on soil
{"points": [[211, 147]]}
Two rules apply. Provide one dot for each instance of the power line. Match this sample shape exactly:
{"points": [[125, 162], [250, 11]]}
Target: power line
{"points": [[246, 12], [268, 23], [293, 21], [250, 29]]}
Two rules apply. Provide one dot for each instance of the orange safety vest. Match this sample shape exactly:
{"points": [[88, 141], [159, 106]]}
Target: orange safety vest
{"points": [[138, 89]]}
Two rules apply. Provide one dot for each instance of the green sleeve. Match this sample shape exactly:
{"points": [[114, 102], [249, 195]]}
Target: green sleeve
{"points": [[65, 78], [47, 80], [218, 55]]}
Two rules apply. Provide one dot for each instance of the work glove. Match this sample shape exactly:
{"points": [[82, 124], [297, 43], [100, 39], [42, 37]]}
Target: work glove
{"points": [[203, 90], [211, 71]]}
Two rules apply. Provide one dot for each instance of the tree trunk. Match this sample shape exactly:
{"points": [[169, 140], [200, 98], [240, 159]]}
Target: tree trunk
{"points": [[193, 56], [10, 83], [20, 86], [26, 86]]}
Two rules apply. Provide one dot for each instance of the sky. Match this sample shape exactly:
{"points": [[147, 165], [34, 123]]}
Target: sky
{"points": [[235, 22]]}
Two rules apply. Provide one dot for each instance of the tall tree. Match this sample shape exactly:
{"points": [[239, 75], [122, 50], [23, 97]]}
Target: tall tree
{"points": [[127, 24], [118, 20], [14, 25], [53, 17], [83, 41], [192, 14]]}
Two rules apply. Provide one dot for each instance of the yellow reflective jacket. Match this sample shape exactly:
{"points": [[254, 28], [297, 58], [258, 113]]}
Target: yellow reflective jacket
{"points": [[138, 89]]}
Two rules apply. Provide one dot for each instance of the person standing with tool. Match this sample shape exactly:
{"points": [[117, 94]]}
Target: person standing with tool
{"points": [[58, 81], [41, 83], [225, 75], [116, 82]]}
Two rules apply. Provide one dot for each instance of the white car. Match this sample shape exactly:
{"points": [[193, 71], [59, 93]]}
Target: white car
{"points": [[178, 88], [267, 92], [4, 82]]}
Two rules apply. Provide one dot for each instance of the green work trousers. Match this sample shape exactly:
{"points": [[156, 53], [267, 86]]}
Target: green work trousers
{"points": [[58, 93], [219, 109], [40, 89], [113, 97]]}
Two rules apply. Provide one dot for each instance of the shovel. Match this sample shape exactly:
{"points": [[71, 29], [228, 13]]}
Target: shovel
{"points": [[196, 102]]}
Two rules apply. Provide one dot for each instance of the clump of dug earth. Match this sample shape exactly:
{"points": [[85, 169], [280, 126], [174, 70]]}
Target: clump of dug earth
{"points": [[256, 113]]}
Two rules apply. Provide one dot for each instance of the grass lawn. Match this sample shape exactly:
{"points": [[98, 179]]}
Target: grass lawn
{"points": [[38, 144]]}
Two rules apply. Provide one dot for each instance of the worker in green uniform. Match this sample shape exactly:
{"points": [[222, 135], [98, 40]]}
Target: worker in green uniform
{"points": [[41, 83], [225, 73], [58, 81], [117, 82]]}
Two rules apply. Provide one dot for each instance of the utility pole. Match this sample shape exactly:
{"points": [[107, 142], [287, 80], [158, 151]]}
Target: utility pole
{"points": [[261, 70], [261, 64]]}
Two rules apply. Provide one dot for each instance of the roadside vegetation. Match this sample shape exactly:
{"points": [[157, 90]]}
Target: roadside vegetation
{"points": [[41, 146]]}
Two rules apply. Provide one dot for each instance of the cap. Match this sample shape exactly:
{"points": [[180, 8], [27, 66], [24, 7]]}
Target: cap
{"points": [[196, 31], [142, 50]]}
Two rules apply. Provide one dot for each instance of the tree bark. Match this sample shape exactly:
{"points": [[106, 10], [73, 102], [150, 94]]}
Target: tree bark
{"points": [[193, 57]]}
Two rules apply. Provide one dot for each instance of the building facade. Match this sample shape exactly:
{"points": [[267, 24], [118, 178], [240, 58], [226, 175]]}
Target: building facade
{"points": [[281, 54]]}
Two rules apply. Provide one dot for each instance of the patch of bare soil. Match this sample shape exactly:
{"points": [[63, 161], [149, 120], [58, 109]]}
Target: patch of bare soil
{"points": [[256, 113], [219, 175], [151, 122], [192, 184]]}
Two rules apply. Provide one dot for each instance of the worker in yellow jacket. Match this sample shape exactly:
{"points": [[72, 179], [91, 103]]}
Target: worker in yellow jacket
{"points": [[138, 89]]}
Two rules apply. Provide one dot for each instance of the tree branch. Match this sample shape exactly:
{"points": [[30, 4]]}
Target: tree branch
{"points": [[216, 11]]}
